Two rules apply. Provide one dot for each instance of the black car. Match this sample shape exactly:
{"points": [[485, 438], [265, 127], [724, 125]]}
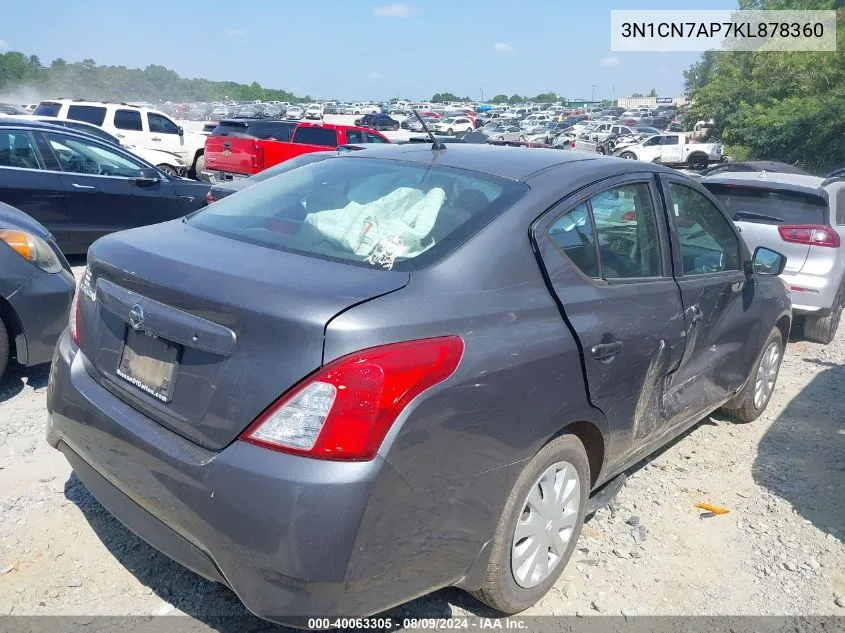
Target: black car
{"points": [[378, 122], [81, 188], [36, 288]]}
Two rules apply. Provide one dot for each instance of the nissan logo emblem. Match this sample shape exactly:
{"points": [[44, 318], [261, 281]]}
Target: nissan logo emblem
{"points": [[136, 316]]}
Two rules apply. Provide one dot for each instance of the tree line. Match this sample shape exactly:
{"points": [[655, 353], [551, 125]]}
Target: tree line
{"points": [[22, 74], [784, 106]]}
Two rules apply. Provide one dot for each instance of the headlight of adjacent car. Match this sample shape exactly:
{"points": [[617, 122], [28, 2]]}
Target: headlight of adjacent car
{"points": [[32, 248]]}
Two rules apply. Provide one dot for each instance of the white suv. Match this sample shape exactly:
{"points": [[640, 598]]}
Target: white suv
{"points": [[133, 125]]}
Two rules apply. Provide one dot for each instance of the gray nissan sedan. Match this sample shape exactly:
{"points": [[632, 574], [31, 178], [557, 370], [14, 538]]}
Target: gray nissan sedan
{"points": [[405, 368]]}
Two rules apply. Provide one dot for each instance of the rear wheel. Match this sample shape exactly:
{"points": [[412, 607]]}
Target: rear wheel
{"points": [[450, 131], [628, 155], [4, 348], [539, 527], [199, 166], [823, 329], [761, 383]]}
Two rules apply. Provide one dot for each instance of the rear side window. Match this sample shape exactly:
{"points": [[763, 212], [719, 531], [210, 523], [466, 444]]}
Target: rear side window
{"points": [[17, 149], [769, 206], [315, 136], [47, 108], [381, 214], [95, 115], [271, 131], [128, 120]]}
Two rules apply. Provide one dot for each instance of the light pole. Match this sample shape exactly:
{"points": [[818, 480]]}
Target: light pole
{"points": [[593, 93], [482, 95]]}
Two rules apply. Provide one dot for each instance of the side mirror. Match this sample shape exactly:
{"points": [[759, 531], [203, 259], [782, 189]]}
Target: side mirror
{"points": [[181, 131], [767, 262], [146, 178]]}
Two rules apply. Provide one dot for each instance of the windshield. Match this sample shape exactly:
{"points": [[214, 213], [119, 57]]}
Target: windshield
{"points": [[368, 212]]}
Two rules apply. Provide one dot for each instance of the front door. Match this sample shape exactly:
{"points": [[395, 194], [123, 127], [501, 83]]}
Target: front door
{"points": [[607, 258], [102, 193], [721, 307], [164, 135]]}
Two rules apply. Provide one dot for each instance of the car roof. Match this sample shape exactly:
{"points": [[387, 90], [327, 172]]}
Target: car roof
{"points": [[515, 163]]}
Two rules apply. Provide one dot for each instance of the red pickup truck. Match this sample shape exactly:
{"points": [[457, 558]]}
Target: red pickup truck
{"points": [[242, 147]]}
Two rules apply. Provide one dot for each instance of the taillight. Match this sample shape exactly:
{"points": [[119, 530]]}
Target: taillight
{"points": [[209, 198], [811, 234], [345, 409], [257, 157], [629, 216]]}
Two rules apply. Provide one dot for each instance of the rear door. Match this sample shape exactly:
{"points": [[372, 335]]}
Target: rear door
{"points": [[607, 258], [722, 307], [315, 138], [129, 128], [29, 181], [98, 180], [763, 212]]}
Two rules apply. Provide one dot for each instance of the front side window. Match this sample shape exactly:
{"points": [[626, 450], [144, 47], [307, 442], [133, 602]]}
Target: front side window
{"points": [[88, 158], [375, 213], [354, 136], [17, 149], [708, 243], [128, 120], [369, 137], [95, 115], [161, 124]]}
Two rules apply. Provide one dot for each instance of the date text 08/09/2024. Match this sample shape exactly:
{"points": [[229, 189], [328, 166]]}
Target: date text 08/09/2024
{"points": [[387, 624]]}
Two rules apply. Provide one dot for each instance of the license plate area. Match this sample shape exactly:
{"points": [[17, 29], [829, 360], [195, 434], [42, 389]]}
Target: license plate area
{"points": [[149, 363]]}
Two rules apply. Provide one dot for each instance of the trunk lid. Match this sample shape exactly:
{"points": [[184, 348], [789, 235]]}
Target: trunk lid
{"points": [[244, 323], [233, 154]]}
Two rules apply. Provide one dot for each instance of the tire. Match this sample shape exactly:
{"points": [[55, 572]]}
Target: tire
{"points": [[170, 171], [450, 131], [823, 329], [628, 156], [4, 348], [501, 588], [199, 166], [750, 407], [698, 161], [469, 129]]}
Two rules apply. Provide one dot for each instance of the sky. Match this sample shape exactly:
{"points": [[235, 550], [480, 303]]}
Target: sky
{"points": [[356, 49]]}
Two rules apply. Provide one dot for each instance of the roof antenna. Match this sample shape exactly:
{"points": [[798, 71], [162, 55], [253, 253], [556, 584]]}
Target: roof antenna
{"points": [[435, 144]]}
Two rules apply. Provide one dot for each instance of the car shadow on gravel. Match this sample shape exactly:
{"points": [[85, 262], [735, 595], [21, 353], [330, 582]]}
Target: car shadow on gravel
{"points": [[801, 458], [211, 603], [18, 378]]}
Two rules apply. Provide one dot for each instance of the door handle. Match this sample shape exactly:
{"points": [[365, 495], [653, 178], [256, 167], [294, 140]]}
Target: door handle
{"points": [[119, 135], [604, 351], [155, 138], [76, 185]]}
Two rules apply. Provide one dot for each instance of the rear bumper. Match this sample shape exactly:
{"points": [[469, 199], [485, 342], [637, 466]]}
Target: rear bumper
{"points": [[283, 532], [215, 177], [812, 294], [42, 305]]}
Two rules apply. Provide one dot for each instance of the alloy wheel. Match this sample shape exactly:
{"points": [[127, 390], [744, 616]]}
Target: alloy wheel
{"points": [[767, 373]]}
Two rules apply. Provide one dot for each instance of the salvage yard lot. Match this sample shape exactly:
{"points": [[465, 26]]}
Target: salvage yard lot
{"points": [[778, 551]]}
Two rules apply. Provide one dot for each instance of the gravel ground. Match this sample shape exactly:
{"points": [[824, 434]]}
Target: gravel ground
{"points": [[779, 551]]}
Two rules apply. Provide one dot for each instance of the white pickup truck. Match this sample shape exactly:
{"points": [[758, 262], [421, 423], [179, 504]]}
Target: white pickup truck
{"points": [[672, 148]]}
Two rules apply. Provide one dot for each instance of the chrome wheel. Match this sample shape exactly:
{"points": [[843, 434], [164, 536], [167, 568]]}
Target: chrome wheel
{"points": [[545, 526], [767, 373]]}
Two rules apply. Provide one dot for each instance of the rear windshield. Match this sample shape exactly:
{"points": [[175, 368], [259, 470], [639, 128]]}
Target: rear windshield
{"points": [[368, 212], [95, 115], [769, 206], [47, 109]]}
